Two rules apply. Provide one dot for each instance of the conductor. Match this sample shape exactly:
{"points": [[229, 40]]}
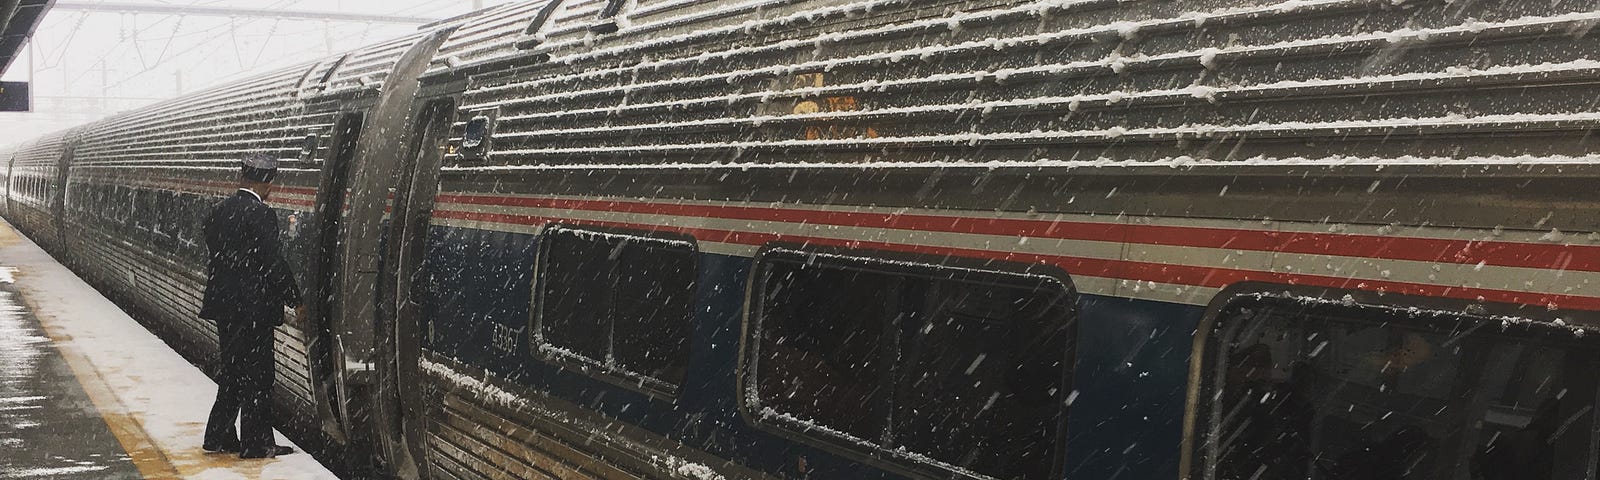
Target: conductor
{"points": [[248, 282]]}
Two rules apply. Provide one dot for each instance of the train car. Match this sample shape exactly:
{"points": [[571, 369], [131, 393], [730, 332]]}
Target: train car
{"points": [[886, 239], [34, 186]]}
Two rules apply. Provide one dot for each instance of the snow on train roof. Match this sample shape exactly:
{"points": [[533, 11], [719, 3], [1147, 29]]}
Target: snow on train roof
{"points": [[695, 82], [261, 113], [217, 125], [366, 68], [42, 152], [1162, 163], [706, 82], [489, 36]]}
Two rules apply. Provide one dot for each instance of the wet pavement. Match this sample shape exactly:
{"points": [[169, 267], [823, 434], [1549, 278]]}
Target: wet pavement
{"points": [[87, 392], [49, 428]]}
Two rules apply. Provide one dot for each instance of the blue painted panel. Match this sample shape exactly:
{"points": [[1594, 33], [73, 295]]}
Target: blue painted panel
{"points": [[1125, 421], [1131, 377]]}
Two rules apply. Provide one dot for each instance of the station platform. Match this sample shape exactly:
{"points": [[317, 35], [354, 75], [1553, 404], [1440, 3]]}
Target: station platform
{"points": [[88, 393]]}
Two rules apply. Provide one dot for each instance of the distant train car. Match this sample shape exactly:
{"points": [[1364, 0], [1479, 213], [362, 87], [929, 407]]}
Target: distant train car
{"points": [[885, 239], [34, 183]]}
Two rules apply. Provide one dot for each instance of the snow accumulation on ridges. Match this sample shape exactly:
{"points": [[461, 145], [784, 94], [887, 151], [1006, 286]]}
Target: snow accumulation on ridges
{"points": [[1182, 161], [608, 237], [477, 388], [769, 414], [684, 468], [719, 30], [484, 38], [1214, 94], [1115, 62], [485, 391], [821, 40], [1583, 120], [1576, 330], [943, 269], [1075, 102], [163, 152]]}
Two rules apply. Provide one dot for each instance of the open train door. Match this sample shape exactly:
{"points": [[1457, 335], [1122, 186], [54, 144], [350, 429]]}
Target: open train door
{"points": [[407, 249], [368, 351], [328, 380], [5, 190]]}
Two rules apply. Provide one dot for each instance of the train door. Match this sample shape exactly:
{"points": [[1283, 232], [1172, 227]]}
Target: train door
{"points": [[56, 205], [408, 239], [364, 333], [11, 168], [327, 273]]}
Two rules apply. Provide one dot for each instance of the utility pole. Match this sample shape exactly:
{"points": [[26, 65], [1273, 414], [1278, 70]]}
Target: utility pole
{"points": [[177, 80], [33, 51], [105, 83]]}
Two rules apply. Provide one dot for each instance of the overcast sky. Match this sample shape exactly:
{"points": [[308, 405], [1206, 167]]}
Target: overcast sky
{"points": [[90, 64]]}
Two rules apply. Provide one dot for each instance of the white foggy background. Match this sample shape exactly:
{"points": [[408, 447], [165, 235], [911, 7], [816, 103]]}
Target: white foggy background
{"points": [[86, 65]]}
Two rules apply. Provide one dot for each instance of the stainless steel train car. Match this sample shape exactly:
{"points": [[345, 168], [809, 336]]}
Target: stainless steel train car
{"points": [[891, 239]]}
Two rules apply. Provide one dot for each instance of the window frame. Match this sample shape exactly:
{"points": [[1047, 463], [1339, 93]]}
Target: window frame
{"points": [[480, 152], [1423, 312], [912, 265], [597, 368]]}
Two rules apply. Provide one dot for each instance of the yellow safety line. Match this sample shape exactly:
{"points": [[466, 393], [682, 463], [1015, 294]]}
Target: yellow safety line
{"points": [[150, 460]]}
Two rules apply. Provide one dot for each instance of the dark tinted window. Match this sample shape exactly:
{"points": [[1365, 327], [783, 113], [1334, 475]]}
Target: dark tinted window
{"points": [[618, 301], [1324, 392], [477, 132], [144, 210], [966, 367]]}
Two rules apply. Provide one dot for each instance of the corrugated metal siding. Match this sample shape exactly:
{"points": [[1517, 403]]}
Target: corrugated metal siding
{"points": [[476, 430], [38, 162], [485, 38], [210, 128], [34, 172], [369, 67], [906, 81]]}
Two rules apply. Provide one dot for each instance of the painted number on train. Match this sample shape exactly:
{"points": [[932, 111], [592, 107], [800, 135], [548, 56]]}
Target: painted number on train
{"points": [[503, 338]]}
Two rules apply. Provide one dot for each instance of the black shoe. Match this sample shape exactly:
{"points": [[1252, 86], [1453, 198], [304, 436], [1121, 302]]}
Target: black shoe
{"points": [[224, 448], [274, 451]]}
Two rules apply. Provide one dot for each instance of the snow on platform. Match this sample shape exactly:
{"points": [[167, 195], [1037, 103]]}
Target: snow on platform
{"points": [[153, 400]]}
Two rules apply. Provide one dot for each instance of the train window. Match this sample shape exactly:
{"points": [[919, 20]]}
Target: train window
{"points": [[166, 216], [124, 202], [477, 133], [963, 366], [309, 146], [1345, 392], [144, 214], [618, 302]]}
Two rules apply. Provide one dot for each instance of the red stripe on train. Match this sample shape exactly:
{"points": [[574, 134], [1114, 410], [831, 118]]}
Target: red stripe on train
{"points": [[1505, 254], [1115, 269], [229, 186]]}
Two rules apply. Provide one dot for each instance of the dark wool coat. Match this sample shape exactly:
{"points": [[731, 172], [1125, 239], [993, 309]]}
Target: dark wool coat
{"points": [[247, 278]]}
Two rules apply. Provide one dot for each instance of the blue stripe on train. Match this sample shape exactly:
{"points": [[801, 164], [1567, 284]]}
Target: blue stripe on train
{"points": [[1125, 422]]}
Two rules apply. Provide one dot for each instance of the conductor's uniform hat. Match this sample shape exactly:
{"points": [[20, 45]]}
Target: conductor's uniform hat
{"points": [[258, 167]]}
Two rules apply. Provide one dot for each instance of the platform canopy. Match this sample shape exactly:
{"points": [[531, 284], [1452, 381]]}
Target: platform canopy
{"points": [[19, 18]]}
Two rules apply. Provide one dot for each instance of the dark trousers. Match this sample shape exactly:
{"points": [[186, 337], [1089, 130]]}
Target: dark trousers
{"points": [[244, 387]]}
